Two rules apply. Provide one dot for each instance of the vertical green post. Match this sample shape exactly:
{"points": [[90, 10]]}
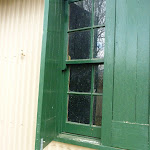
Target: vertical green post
{"points": [[108, 73]]}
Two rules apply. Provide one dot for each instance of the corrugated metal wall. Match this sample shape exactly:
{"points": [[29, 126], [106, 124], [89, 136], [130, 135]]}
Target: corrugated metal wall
{"points": [[21, 28]]}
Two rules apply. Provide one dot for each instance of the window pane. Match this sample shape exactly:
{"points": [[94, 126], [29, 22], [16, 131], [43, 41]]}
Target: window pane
{"points": [[79, 45], [80, 14], [100, 12], [79, 109], [98, 79], [97, 110], [80, 78], [99, 43]]}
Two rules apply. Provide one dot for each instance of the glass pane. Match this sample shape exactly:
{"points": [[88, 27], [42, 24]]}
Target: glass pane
{"points": [[79, 45], [100, 12], [98, 79], [97, 110], [80, 14], [80, 78], [79, 109], [99, 43]]}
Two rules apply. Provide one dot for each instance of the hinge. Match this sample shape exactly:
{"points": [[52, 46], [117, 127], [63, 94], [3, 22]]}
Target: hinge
{"points": [[41, 144]]}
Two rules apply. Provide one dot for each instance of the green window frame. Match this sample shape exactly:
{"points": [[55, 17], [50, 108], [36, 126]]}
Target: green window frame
{"points": [[54, 69], [73, 127]]}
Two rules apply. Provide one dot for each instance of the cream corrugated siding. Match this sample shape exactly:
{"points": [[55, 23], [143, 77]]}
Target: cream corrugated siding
{"points": [[21, 28]]}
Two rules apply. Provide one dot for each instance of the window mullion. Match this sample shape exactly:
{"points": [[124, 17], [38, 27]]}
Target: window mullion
{"points": [[80, 29], [71, 1], [92, 89], [91, 56], [92, 31], [86, 28], [84, 93]]}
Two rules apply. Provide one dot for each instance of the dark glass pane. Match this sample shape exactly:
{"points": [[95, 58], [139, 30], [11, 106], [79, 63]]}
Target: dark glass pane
{"points": [[79, 109], [79, 45], [97, 111], [98, 79], [80, 14], [100, 12], [99, 43], [80, 78]]}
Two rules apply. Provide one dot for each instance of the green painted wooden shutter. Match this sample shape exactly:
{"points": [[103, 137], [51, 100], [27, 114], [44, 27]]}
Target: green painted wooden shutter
{"points": [[130, 123], [51, 74]]}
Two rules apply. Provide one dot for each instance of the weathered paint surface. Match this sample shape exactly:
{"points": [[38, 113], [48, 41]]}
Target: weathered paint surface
{"points": [[51, 73], [130, 125], [108, 73], [62, 146], [21, 28]]}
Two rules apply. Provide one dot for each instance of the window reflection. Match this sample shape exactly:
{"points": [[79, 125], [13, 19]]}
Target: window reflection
{"points": [[97, 110], [79, 109], [80, 14], [98, 78], [79, 45], [82, 45], [99, 43], [100, 12], [80, 78]]}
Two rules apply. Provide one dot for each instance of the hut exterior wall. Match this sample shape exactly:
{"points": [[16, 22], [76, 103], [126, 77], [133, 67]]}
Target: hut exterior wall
{"points": [[21, 29]]}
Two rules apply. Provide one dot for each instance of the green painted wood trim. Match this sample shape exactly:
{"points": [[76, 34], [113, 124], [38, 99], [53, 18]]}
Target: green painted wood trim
{"points": [[128, 135], [41, 82], [92, 34], [149, 82], [71, 1], [38, 126], [108, 73], [87, 28], [84, 93], [78, 140], [65, 47], [85, 61], [92, 75], [83, 129], [143, 65], [83, 141], [46, 14]]}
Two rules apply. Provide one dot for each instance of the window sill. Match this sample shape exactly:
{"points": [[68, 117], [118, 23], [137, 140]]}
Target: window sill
{"points": [[83, 141], [79, 140]]}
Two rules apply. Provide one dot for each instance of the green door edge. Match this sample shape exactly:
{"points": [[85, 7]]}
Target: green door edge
{"points": [[41, 81]]}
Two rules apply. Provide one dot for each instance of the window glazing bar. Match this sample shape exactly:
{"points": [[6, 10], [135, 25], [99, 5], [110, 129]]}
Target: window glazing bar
{"points": [[92, 89], [86, 28], [84, 93], [85, 61], [71, 1], [91, 56]]}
